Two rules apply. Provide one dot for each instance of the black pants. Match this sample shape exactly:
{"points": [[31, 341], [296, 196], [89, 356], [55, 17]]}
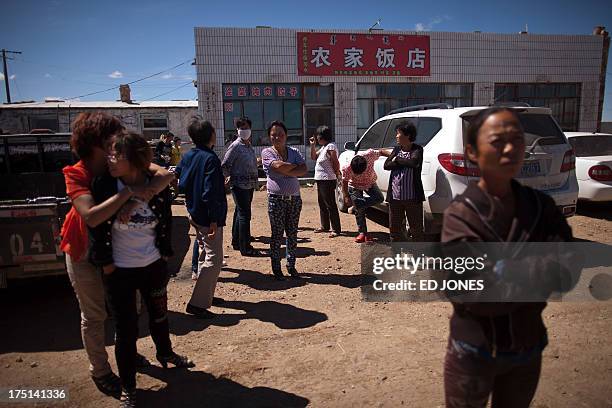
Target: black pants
{"points": [[241, 226], [399, 212], [121, 286], [469, 378], [328, 210]]}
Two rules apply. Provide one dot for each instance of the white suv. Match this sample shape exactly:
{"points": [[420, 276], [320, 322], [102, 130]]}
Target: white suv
{"points": [[441, 130]]}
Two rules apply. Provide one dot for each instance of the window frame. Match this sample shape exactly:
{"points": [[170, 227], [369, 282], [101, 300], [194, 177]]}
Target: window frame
{"points": [[413, 96], [229, 128], [530, 92]]}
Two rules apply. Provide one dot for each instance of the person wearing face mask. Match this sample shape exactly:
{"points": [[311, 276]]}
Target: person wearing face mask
{"points": [[240, 171], [201, 179]]}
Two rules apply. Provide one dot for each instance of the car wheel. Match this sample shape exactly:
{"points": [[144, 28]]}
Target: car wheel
{"points": [[340, 199]]}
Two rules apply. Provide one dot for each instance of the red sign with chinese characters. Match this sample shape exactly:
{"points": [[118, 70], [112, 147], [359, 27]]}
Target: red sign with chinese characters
{"points": [[334, 54]]}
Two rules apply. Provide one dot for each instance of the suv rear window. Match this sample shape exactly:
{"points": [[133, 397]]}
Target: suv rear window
{"points": [[596, 145], [535, 126]]}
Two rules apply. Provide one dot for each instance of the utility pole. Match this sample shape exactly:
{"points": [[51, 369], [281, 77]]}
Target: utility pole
{"points": [[6, 76]]}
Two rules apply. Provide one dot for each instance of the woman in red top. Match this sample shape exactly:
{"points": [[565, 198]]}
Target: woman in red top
{"points": [[92, 137]]}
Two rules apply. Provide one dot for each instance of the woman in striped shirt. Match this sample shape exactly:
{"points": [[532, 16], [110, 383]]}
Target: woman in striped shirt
{"points": [[405, 193]]}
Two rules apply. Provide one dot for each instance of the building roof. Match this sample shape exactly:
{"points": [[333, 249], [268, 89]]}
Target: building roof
{"points": [[101, 105]]}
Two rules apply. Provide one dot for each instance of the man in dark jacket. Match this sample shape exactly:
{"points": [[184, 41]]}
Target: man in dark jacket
{"points": [[201, 179]]}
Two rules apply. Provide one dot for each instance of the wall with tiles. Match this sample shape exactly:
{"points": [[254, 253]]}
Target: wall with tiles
{"points": [[269, 55]]}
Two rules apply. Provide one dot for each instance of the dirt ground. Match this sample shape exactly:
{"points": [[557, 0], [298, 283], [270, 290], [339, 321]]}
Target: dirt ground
{"points": [[312, 342]]}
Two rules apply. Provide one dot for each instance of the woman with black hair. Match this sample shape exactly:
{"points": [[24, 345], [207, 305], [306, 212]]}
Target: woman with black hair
{"points": [[496, 348], [133, 256], [283, 165], [326, 175], [405, 193]]}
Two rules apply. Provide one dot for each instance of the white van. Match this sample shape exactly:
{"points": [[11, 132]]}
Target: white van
{"points": [[441, 129]]}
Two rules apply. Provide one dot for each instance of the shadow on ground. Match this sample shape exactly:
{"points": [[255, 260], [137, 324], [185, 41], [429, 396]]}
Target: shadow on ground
{"points": [[199, 389]]}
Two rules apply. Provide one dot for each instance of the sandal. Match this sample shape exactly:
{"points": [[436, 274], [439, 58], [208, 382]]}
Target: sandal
{"points": [[128, 398], [334, 234], [320, 230], [175, 359], [108, 384]]}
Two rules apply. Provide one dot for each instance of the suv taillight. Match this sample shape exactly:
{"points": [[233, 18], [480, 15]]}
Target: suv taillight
{"points": [[456, 163], [600, 173], [569, 161]]}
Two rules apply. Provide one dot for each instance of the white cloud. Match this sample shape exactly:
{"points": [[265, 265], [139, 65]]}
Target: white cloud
{"points": [[12, 76], [429, 26], [116, 74], [47, 75], [167, 76]]}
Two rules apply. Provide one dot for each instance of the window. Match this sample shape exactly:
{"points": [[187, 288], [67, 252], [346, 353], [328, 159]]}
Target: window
{"points": [[562, 98], [264, 103], [44, 122], [374, 137], [427, 129], [535, 126], [390, 139], [153, 126], [318, 94], [375, 101], [596, 145]]}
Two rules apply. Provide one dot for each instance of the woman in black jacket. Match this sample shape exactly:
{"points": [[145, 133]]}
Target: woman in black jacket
{"points": [[133, 256], [405, 192], [495, 349]]}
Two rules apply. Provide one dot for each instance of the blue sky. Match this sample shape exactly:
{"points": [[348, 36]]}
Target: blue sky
{"points": [[71, 48]]}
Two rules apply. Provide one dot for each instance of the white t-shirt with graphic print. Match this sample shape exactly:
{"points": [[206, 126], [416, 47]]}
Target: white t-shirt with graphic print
{"points": [[134, 241]]}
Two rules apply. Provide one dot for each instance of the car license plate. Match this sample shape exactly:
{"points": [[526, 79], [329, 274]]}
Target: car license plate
{"points": [[530, 169]]}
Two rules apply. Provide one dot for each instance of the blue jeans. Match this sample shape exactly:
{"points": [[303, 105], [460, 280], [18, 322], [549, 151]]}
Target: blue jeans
{"points": [[361, 204], [241, 226]]}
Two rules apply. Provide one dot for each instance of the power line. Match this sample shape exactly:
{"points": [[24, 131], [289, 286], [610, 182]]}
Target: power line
{"points": [[132, 82], [170, 91]]}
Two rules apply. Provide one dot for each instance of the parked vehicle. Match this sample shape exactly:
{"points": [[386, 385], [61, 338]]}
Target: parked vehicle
{"points": [[33, 204], [593, 164], [441, 129]]}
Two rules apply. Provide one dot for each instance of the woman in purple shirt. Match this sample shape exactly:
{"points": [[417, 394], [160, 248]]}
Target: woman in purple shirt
{"points": [[283, 165]]}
